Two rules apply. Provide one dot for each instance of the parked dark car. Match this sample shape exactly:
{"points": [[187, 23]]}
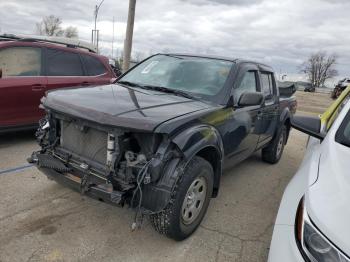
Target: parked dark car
{"points": [[30, 67], [160, 138], [310, 89]]}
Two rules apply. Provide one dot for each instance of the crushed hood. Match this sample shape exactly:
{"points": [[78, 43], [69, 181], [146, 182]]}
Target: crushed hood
{"points": [[328, 200], [116, 105]]}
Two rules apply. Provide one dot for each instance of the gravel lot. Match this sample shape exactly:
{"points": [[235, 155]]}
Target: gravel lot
{"points": [[312, 104], [43, 221]]}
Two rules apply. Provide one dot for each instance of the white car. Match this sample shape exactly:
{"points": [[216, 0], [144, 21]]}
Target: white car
{"points": [[313, 221]]}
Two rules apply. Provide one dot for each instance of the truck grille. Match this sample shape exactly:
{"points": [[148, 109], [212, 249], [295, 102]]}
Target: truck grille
{"points": [[86, 142]]}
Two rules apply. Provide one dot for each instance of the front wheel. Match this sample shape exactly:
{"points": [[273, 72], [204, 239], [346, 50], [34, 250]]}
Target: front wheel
{"points": [[273, 152], [189, 202]]}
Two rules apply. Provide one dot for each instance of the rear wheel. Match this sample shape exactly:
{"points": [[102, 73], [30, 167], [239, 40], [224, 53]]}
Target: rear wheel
{"points": [[273, 152], [189, 202]]}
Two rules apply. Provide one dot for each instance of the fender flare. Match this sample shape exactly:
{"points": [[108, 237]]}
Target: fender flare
{"points": [[285, 116], [197, 138]]}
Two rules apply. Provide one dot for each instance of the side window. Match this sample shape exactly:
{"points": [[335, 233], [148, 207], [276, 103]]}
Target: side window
{"points": [[61, 63], [267, 84], [93, 66], [248, 84], [20, 61]]}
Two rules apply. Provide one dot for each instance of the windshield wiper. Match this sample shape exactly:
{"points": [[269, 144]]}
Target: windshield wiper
{"points": [[170, 91], [173, 56], [129, 83], [159, 88]]}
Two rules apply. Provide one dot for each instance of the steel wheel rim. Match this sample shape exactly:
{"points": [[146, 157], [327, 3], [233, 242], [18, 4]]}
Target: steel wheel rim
{"points": [[280, 145], [194, 200]]}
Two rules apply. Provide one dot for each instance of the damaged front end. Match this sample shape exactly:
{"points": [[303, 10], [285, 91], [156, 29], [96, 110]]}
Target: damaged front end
{"points": [[108, 163]]}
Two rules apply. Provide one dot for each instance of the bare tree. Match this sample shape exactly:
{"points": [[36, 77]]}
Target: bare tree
{"points": [[50, 26], [319, 67], [71, 32]]}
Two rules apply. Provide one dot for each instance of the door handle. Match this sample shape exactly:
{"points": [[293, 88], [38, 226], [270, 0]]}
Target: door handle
{"points": [[38, 87], [259, 115], [85, 83]]}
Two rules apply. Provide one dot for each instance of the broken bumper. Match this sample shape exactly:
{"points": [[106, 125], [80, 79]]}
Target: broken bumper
{"points": [[155, 199], [99, 192]]}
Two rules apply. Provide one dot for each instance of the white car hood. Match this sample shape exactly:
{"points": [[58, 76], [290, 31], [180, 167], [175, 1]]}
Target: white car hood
{"points": [[328, 200]]}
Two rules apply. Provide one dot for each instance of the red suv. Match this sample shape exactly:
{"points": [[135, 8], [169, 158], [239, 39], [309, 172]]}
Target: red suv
{"points": [[30, 67]]}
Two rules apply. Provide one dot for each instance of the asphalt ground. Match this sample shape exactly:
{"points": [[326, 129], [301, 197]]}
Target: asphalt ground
{"points": [[43, 221]]}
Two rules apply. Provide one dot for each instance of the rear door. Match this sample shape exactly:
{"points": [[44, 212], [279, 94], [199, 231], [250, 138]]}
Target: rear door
{"points": [[239, 137], [22, 85], [63, 69], [267, 123], [96, 72]]}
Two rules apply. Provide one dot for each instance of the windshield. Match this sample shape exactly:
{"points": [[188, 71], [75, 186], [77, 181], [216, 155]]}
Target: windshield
{"points": [[203, 77], [337, 110], [343, 134]]}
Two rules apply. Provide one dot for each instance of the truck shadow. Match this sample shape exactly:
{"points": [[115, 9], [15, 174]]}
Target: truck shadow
{"points": [[19, 137], [254, 159]]}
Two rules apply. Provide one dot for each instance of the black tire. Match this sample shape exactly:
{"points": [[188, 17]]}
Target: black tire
{"points": [[273, 152], [170, 221]]}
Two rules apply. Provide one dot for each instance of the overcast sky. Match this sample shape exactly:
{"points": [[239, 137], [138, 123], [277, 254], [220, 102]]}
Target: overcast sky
{"points": [[281, 33]]}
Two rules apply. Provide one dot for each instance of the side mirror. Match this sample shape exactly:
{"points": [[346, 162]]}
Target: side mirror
{"points": [[308, 125], [0, 73], [251, 99]]}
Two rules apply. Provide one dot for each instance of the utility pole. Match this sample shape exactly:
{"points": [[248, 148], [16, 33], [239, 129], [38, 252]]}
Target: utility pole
{"points": [[129, 34], [95, 32], [97, 8]]}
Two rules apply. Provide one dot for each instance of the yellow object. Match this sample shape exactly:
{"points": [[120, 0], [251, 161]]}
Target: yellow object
{"points": [[328, 116]]}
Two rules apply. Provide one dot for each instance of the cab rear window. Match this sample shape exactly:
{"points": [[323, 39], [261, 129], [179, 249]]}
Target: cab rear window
{"points": [[267, 84]]}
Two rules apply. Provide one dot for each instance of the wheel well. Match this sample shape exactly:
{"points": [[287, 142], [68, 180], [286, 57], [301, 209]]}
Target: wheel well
{"points": [[212, 155]]}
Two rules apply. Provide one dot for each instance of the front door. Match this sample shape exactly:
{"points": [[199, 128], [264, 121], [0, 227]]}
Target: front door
{"points": [[21, 86], [239, 137]]}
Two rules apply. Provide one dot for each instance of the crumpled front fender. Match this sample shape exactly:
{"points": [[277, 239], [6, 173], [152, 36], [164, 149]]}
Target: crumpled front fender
{"points": [[189, 143], [193, 139]]}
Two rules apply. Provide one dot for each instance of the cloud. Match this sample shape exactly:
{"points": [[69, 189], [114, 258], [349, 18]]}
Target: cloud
{"points": [[224, 2], [336, 1], [280, 33]]}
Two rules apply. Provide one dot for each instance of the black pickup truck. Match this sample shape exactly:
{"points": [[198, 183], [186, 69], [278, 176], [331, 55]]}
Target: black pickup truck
{"points": [[159, 138]]}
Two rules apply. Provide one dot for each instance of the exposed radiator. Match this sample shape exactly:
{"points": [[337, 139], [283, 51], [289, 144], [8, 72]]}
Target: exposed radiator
{"points": [[86, 142]]}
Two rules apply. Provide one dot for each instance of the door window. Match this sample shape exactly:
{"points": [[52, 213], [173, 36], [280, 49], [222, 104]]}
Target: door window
{"points": [[248, 84], [93, 66], [20, 61], [267, 85], [61, 63]]}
